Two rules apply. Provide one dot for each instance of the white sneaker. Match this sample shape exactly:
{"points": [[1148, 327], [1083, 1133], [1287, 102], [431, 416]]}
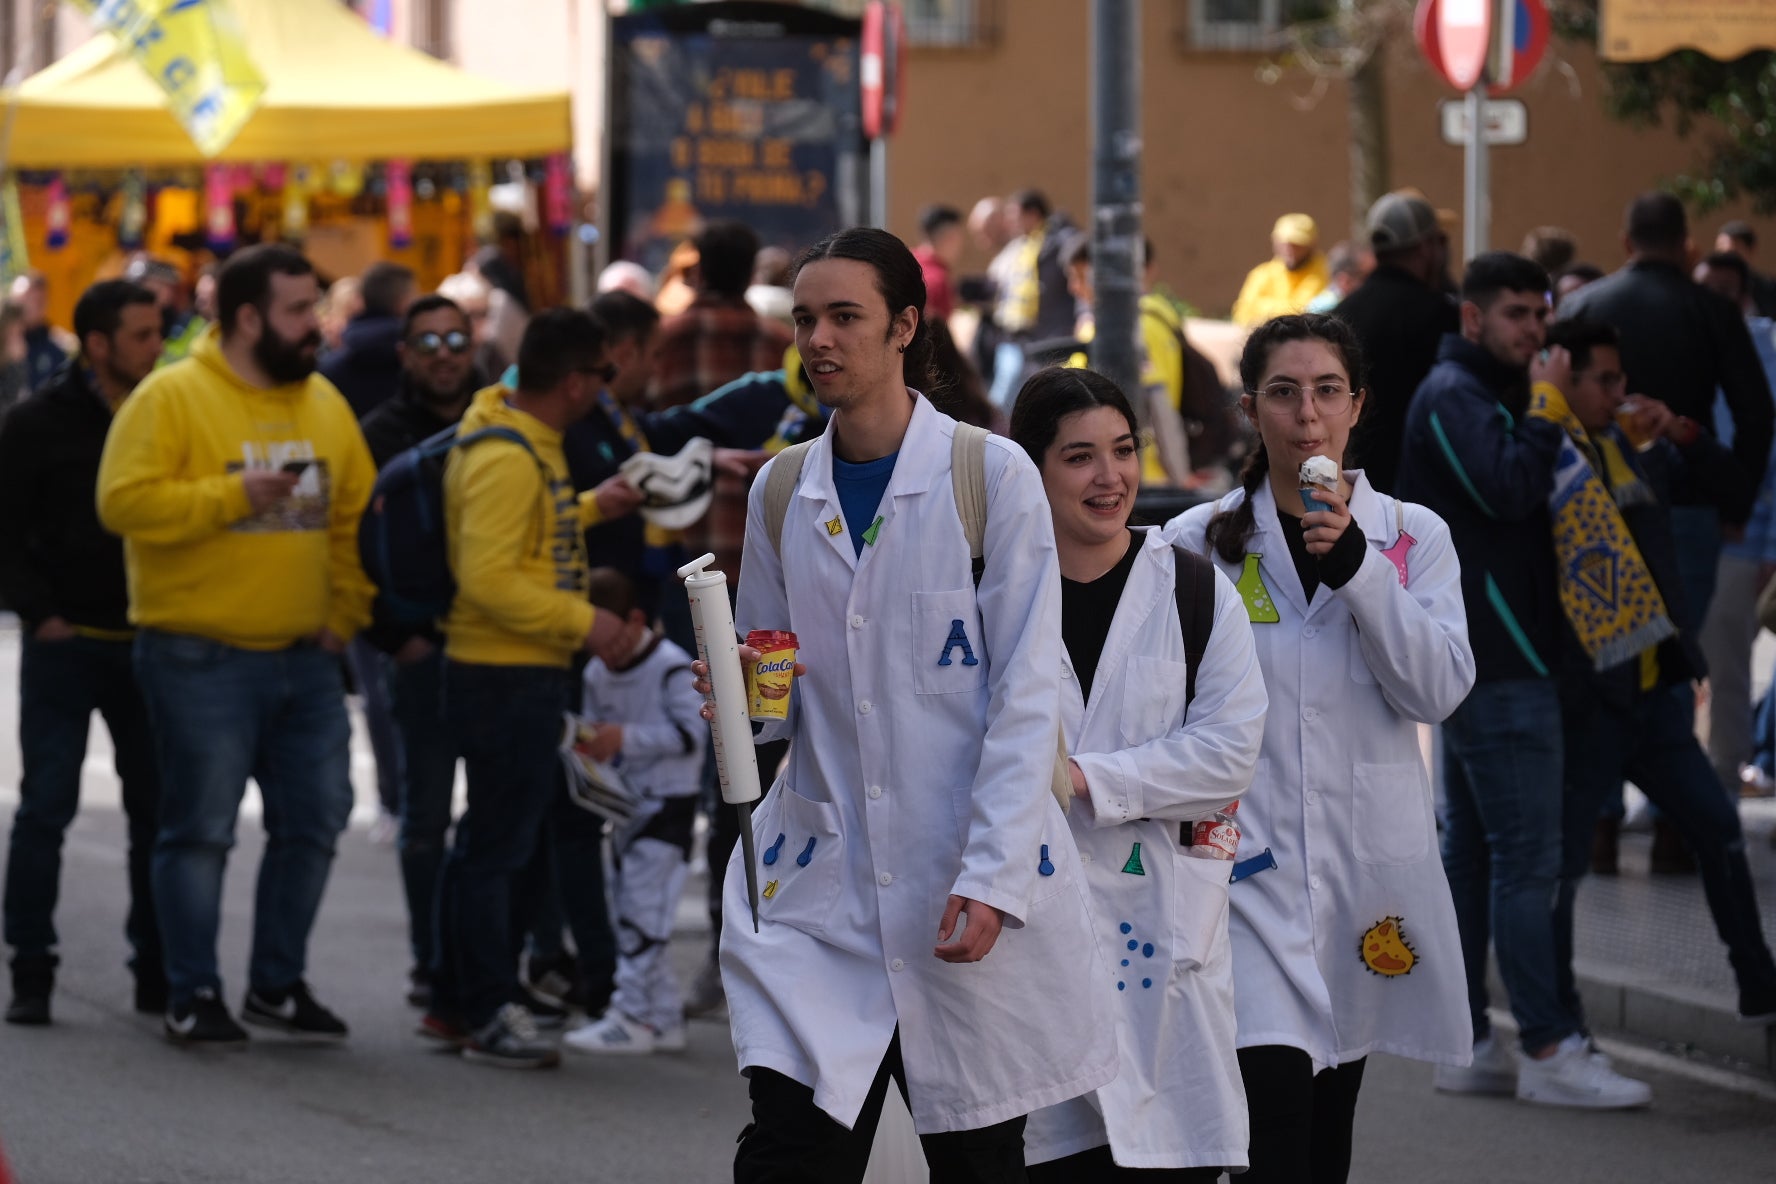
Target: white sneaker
{"points": [[1494, 1071], [612, 1035], [670, 1039], [1578, 1077]]}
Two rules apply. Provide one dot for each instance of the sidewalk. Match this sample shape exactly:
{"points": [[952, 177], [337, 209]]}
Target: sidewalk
{"points": [[1649, 961]]}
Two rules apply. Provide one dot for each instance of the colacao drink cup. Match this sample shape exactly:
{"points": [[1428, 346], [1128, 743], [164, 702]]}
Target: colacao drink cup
{"points": [[768, 680]]}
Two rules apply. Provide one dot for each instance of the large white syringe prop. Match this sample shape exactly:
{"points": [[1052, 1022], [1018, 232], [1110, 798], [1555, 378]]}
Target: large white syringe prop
{"points": [[736, 764]]}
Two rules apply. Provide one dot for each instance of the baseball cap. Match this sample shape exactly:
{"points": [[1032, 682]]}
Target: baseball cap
{"points": [[1296, 229], [1399, 220]]}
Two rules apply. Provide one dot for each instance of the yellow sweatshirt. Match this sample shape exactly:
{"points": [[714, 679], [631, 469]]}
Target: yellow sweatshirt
{"points": [[516, 544], [200, 561], [1272, 290]]}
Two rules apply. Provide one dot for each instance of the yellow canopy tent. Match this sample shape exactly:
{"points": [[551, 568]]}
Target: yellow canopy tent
{"points": [[335, 91]]}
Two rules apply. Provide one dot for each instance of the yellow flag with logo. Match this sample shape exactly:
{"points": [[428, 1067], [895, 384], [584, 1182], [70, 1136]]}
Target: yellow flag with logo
{"points": [[195, 51]]}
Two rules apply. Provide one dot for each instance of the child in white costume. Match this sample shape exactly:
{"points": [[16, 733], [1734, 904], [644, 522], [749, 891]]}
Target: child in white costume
{"points": [[644, 712]]}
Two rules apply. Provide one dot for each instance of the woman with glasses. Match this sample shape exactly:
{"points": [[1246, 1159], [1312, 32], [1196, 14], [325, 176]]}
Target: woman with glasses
{"points": [[1344, 936], [1162, 711]]}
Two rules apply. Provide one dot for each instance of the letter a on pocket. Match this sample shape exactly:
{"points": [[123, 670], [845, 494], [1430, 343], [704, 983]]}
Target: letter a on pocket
{"points": [[958, 638]]}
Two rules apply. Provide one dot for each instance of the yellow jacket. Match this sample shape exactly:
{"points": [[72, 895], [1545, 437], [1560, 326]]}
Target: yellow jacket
{"points": [[1162, 381], [516, 544], [1272, 290], [200, 561]]}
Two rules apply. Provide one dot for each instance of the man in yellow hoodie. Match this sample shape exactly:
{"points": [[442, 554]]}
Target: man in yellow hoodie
{"points": [[516, 538], [236, 478], [1284, 283]]}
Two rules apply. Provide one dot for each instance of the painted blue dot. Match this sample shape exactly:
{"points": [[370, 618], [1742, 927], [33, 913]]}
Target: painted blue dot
{"points": [[1147, 950], [1127, 928], [1125, 961], [1133, 944], [1122, 986], [1146, 982]]}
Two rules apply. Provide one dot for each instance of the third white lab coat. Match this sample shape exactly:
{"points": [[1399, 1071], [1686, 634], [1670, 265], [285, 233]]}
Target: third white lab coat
{"points": [[916, 773], [1151, 769], [1342, 799]]}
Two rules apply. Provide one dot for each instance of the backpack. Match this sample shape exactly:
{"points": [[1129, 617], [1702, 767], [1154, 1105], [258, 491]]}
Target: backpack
{"points": [[1210, 418], [401, 539], [1194, 583]]}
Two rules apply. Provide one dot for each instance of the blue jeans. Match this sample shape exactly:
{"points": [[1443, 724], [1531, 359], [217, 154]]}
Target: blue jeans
{"points": [[428, 779], [220, 716], [1653, 744], [577, 853], [61, 684], [507, 722], [371, 671], [1501, 849]]}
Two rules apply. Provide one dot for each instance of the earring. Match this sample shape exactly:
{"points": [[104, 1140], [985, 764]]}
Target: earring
{"points": [[903, 349]]}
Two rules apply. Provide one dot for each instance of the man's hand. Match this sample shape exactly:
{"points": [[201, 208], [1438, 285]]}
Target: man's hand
{"points": [[700, 677], [329, 641], [1325, 527], [606, 741], [616, 498], [267, 487], [1555, 367], [977, 936], [1080, 788], [739, 462], [414, 649], [53, 629]]}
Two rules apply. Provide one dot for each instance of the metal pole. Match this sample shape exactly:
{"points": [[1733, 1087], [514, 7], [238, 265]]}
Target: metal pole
{"points": [[1477, 190], [878, 165], [1116, 190]]}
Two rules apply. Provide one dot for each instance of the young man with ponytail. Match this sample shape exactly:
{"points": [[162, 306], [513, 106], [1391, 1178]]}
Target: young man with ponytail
{"points": [[923, 917]]}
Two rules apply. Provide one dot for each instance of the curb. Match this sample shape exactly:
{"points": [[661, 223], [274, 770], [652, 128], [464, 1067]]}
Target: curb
{"points": [[1708, 1021]]}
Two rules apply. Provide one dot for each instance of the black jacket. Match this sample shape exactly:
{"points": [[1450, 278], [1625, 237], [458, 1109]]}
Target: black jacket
{"points": [[1471, 455], [390, 430], [55, 558], [367, 366], [1400, 323], [1680, 342]]}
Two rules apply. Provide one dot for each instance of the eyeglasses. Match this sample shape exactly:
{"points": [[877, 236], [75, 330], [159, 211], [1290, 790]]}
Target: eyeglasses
{"points": [[428, 344], [1329, 398], [606, 373]]}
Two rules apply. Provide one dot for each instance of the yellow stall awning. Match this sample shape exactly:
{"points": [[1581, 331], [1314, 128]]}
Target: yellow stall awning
{"points": [[335, 91]]}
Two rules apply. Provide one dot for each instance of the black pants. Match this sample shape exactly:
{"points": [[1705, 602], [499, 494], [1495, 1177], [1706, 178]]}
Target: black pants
{"points": [[792, 1141], [1098, 1167], [1301, 1121]]}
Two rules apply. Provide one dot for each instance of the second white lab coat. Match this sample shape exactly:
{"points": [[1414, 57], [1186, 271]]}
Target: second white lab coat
{"points": [[924, 741], [1342, 800], [1152, 768]]}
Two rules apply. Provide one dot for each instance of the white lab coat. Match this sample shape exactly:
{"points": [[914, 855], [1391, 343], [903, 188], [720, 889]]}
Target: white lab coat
{"points": [[1342, 800], [916, 780], [1150, 770]]}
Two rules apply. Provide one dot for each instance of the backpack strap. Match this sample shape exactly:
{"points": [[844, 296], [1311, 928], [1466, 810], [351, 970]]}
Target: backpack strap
{"points": [[1194, 585], [780, 486], [968, 480]]}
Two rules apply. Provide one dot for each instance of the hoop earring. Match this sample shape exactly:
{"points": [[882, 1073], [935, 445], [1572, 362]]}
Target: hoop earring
{"points": [[903, 349]]}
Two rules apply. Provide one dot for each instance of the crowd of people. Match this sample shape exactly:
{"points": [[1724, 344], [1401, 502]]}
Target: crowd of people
{"points": [[1156, 791]]}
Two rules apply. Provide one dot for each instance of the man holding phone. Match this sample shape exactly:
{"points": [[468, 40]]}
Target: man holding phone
{"points": [[236, 479]]}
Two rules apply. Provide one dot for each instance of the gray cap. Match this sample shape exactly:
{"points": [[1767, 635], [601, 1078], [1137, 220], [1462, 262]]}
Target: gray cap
{"points": [[1398, 221]]}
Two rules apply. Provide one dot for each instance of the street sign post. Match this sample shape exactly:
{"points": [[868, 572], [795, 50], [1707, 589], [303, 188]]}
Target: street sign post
{"points": [[1506, 122], [1481, 47]]}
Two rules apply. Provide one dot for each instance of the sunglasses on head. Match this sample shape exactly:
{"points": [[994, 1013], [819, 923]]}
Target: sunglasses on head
{"points": [[430, 343]]}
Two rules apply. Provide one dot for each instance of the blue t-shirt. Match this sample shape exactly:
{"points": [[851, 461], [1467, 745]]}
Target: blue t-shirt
{"points": [[860, 490]]}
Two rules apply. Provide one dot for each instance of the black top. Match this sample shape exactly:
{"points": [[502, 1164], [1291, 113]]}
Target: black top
{"points": [[56, 560], [1475, 460], [1087, 610], [1400, 323], [367, 366], [1335, 568], [1680, 343]]}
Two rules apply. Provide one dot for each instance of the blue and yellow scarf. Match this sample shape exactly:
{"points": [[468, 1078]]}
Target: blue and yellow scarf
{"points": [[1606, 589]]}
